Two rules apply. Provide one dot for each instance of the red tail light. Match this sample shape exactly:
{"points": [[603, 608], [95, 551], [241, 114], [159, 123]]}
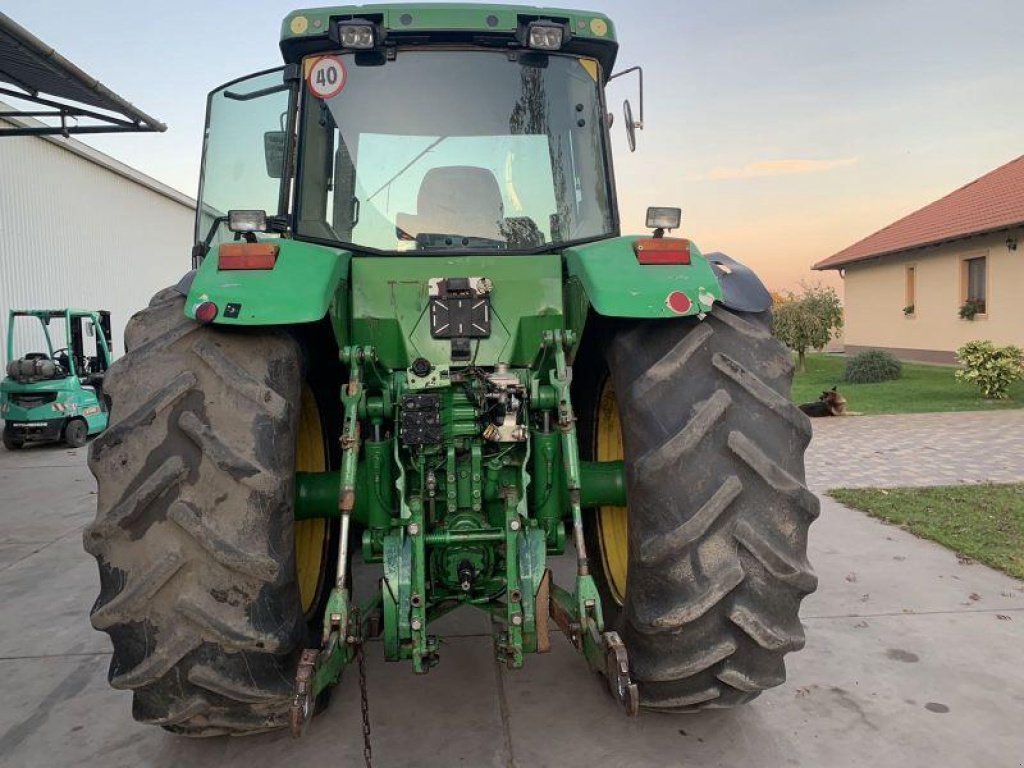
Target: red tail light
{"points": [[247, 256], [206, 312], [662, 250]]}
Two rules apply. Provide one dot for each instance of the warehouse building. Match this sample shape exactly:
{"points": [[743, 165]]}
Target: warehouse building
{"points": [[78, 228]]}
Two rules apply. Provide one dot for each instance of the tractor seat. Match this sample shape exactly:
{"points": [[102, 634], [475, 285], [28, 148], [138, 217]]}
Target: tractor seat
{"points": [[456, 200]]}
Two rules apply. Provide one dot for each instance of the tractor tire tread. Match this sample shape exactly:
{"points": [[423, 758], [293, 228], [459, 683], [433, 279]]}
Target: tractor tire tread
{"points": [[193, 533], [718, 508]]}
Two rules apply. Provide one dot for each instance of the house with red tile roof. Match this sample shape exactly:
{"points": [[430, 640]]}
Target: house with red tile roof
{"points": [[944, 275]]}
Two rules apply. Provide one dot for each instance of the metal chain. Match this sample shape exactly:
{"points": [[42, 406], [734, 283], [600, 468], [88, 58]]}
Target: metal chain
{"points": [[365, 705]]}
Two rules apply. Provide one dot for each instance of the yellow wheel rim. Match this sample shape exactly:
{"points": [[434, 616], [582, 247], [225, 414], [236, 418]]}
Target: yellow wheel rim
{"points": [[310, 535], [612, 522]]}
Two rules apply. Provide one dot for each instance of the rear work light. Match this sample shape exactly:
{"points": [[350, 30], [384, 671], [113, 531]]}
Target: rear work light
{"points": [[246, 256], [662, 250], [659, 217], [247, 221], [545, 35], [358, 34]]}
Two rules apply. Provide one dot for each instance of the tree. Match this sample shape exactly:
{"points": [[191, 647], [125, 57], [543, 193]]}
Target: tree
{"points": [[808, 320]]}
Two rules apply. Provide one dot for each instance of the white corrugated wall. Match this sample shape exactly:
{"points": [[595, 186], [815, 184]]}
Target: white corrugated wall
{"points": [[75, 233]]}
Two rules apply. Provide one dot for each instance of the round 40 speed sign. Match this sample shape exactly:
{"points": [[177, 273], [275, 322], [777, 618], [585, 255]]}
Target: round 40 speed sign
{"points": [[326, 77]]}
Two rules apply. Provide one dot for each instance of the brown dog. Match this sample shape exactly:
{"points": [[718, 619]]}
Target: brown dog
{"points": [[831, 403]]}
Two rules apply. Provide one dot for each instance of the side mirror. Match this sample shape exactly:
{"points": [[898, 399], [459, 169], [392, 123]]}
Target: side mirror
{"points": [[273, 150], [627, 110], [90, 330], [627, 115]]}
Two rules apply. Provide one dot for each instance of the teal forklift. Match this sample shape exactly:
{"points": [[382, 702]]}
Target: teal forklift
{"points": [[55, 393]]}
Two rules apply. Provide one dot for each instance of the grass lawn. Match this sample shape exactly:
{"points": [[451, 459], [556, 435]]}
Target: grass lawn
{"points": [[923, 388], [983, 522]]}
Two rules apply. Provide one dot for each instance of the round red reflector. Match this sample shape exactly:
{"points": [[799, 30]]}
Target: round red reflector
{"points": [[679, 302], [206, 312]]}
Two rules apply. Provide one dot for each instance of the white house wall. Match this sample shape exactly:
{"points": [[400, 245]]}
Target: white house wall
{"points": [[875, 295]]}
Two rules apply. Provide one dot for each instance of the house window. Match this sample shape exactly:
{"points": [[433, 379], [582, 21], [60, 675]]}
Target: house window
{"points": [[911, 290], [975, 281]]}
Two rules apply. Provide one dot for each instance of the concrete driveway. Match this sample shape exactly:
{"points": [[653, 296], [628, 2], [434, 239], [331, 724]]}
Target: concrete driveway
{"points": [[912, 658]]}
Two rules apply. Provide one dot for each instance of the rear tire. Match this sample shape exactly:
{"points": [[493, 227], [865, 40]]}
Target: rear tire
{"points": [[76, 432], [194, 533], [718, 509], [11, 441]]}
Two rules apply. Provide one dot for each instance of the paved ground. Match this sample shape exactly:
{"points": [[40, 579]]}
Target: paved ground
{"points": [[912, 659], [917, 449]]}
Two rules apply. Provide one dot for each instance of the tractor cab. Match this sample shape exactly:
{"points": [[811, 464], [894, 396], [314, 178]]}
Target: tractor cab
{"points": [[55, 365], [385, 135]]}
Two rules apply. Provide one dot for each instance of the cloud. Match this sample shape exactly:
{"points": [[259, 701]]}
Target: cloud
{"points": [[775, 168]]}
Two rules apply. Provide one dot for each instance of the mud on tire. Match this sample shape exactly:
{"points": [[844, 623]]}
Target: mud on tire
{"points": [[719, 511], [194, 529]]}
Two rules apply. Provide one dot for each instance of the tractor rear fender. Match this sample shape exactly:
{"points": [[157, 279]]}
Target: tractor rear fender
{"points": [[298, 288], [616, 284], [742, 289]]}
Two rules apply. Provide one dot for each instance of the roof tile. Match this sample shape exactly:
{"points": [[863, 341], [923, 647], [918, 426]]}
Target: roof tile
{"points": [[995, 201]]}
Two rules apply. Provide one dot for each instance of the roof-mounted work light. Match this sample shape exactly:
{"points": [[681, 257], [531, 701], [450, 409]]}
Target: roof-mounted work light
{"points": [[357, 34], [545, 35]]}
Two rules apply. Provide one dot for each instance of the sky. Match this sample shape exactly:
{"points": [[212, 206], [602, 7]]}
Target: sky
{"points": [[785, 129]]}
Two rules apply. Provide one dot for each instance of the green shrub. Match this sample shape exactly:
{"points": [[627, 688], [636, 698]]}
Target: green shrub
{"points": [[993, 369], [872, 367]]}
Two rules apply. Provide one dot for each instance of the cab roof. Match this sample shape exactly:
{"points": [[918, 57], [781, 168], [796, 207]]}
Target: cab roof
{"points": [[51, 313], [306, 31]]}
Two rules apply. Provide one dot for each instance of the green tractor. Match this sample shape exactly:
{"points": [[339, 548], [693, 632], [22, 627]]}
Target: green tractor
{"points": [[56, 394], [414, 336]]}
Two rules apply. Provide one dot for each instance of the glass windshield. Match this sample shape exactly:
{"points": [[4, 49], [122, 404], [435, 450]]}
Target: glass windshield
{"points": [[245, 124], [30, 336], [449, 150]]}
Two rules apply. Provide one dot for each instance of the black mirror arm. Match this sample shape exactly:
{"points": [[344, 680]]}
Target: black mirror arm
{"points": [[640, 75]]}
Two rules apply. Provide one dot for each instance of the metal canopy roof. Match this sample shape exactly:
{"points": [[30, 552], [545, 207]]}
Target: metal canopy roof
{"points": [[43, 77]]}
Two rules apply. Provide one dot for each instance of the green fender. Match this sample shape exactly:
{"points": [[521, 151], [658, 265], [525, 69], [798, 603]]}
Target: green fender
{"points": [[299, 289], [616, 285]]}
